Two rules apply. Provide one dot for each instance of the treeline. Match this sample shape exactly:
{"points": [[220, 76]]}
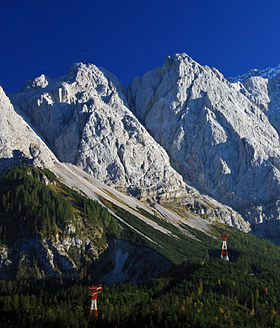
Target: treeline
{"points": [[92, 212]]}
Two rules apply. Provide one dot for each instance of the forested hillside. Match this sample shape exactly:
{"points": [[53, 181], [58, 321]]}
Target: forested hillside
{"points": [[196, 289], [243, 292], [39, 215], [48, 228]]}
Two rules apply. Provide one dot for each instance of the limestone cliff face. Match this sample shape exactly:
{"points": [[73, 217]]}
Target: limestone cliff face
{"points": [[18, 142], [221, 137], [86, 119], [262, 87]]}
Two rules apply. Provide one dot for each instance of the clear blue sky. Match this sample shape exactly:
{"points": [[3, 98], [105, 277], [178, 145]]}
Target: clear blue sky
{"points": [[130, 37]]}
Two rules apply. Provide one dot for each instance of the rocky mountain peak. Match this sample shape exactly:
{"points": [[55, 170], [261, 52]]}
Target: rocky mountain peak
{"points": [[85, 117], [177, 60], [216, 133], [39, 82], [180, 124]]}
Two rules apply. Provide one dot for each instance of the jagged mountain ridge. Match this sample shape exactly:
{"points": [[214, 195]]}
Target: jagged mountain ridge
{"points": [[218, 134], [181, 123], [266, 73], [85, 118], [87, 123]]}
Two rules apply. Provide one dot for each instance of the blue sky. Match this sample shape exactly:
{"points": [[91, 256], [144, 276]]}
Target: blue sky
{"points": [[129, 38]]}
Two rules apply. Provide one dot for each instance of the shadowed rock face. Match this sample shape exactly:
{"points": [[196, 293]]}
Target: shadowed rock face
{"points": [[221, 137], [131, 263], [18, 142]]}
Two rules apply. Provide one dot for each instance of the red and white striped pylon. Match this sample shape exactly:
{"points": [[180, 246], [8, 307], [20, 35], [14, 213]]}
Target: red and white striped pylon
{"points": [[224, 254], [93, 292]]}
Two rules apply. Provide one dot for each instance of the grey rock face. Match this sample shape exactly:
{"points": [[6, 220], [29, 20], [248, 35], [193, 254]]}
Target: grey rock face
{"points": [[85, 118], [18, 142], [132, 263], [218, 134]]}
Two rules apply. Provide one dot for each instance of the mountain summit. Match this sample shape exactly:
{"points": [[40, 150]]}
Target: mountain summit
{"points": [[85, 119], [179, 128], [218, 134]]}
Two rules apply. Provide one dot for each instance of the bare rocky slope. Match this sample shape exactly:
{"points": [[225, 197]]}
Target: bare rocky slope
{"points": [[221, 136], [182, 143], [179, 125], [85, 118]]}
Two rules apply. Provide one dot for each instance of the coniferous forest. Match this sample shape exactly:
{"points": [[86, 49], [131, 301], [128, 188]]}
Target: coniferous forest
{"points": [[198, 291]]}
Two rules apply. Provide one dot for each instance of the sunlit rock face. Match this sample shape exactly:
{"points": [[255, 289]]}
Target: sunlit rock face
{"points": [[85, 118], [221, 136]]}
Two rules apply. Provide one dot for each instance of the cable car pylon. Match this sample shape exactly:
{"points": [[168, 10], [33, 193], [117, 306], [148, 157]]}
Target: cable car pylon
{"points": [[224, 253], [93, 292]]}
